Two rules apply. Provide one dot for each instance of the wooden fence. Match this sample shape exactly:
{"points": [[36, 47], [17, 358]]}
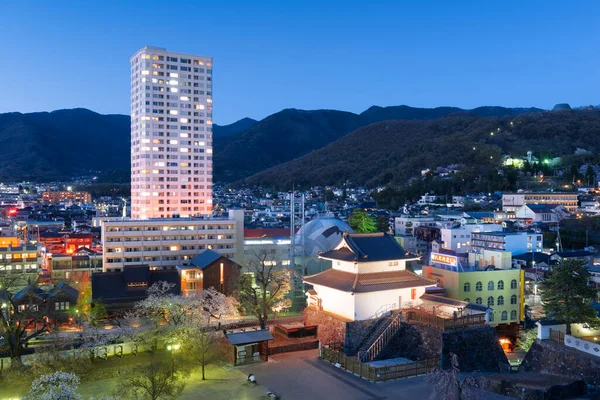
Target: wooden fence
{"points": [[378, 374], [430, 319], [557, 336]]}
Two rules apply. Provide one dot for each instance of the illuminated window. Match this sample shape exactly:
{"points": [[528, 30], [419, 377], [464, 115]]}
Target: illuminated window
{"points": [[174, 248], [145, 72]]}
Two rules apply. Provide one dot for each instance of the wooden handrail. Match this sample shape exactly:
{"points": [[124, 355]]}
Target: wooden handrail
{"points": [[383, 339]]}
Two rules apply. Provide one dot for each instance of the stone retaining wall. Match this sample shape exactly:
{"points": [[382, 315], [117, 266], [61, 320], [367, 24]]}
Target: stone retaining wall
{"points": [[548, 357]]}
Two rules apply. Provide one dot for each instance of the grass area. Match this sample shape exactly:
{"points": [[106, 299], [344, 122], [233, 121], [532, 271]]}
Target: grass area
{"points": [[221, 384]]}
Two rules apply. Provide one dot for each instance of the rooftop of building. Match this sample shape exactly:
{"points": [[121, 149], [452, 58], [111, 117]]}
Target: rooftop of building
{"points": [[367, 282], [367, 247], [542, 208]]}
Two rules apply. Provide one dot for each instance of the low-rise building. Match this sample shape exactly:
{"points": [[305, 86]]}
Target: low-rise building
{"points": [[514, 242], [209, 269], [169, 242], [499, 289], [24, 258], [541, 213], [573, 255], [368, 278], [60, 197], [514, 201], [458, 237], [120, 290]]}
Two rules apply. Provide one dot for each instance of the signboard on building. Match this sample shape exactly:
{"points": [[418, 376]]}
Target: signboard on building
{"points": [[444, 259]]}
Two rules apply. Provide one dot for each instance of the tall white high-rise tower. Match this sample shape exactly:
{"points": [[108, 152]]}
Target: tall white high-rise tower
{"points": [[171, 134]]}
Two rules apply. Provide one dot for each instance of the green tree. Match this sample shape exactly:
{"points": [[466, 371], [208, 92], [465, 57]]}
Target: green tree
{"points": [[590, 176], [362, 222], [20, 323], [566, 295], [263, 287], [527, 338], [329, 195], [383, 225], [154, 380]]}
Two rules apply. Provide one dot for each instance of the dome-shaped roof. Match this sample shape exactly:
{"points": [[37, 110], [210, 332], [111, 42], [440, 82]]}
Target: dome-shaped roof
{"points": [[321, 234]]}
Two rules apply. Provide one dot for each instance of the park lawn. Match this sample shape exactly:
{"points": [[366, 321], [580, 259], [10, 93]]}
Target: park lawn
{"points": [[221, 383]]}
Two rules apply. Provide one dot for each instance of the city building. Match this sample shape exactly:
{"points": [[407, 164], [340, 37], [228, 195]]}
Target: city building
{"points": [[56, 303], [511, 202], [514, 242], [169, 242], [61, 197], [405, 225], [65, 243], [74, 266], [541, 213], [368, 278], [499, 289], [274, 241], [171, 134], [209, 269], [23, 258], [458, 238], [120, 290]]}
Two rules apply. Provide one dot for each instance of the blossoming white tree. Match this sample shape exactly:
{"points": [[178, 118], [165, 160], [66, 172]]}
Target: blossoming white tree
{"points": [[55, 386]]}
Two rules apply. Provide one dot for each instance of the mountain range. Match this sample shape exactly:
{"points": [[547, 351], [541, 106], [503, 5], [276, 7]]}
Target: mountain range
{"points": [[377, 146]]}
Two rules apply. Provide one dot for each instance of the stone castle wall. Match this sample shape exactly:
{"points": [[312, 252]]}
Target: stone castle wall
{"points": [[548, 357]]}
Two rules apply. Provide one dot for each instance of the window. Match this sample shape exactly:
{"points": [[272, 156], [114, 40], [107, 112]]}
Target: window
{"points": [[500, 300], [491, 317], [478, 287], [513, 299], [490, 301], [513, 284], [500, 285], [467, 287], [491, 285], [468, 300], [504, 316], [478, 300], [61, 305]]}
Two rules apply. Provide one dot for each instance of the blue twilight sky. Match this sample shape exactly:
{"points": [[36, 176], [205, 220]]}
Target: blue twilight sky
{"points": [[308, 54]]}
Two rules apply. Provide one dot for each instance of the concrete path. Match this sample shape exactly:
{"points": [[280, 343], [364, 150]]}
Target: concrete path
{"points": [[301, 375]]}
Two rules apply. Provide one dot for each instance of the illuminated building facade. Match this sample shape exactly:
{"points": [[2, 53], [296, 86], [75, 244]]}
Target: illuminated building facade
{"points": [[170, 242], [59, 197], [171, 134]]}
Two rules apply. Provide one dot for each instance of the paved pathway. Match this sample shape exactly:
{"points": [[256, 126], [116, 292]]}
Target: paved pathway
{"points": [[301, 375]]}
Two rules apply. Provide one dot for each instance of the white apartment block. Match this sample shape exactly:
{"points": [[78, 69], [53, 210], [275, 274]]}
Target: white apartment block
{"points": [[168, 242], [171, 134]]}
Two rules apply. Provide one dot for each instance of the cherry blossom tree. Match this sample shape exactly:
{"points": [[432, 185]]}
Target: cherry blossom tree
{"points": [[55, 386]]}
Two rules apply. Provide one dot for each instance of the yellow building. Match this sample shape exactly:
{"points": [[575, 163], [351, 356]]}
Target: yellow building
{"points": [[499, 289]]}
